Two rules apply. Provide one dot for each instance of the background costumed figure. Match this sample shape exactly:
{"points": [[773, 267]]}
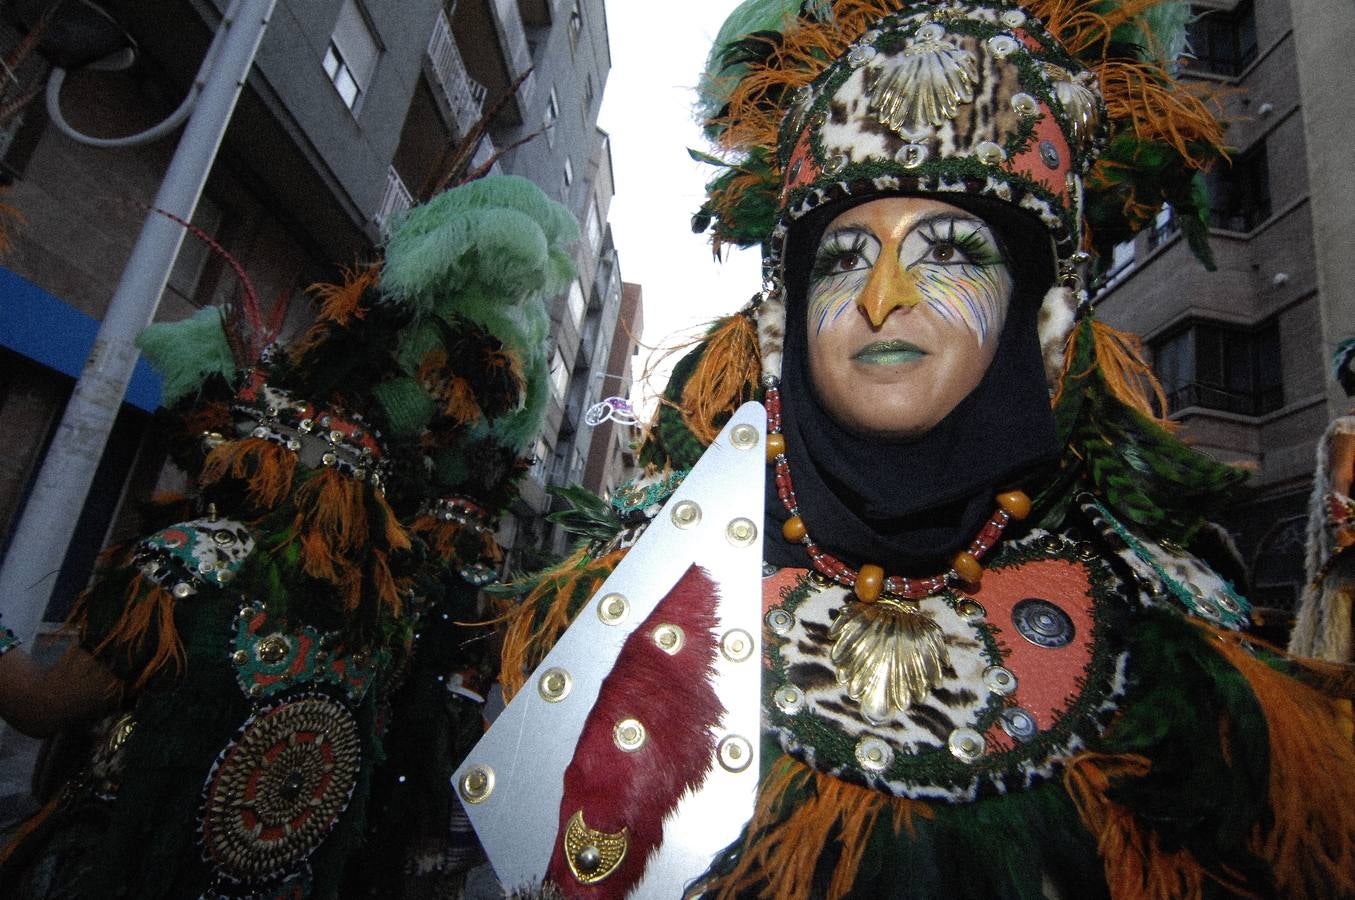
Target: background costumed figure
{"points": [[266, 643], [1324, 627], [991, 664]]}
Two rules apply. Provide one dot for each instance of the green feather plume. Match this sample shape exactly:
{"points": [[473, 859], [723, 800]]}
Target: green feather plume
{"points": [[500, 232], [187, 352]]}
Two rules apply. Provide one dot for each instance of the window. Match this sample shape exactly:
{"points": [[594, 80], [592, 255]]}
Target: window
{"points": [[575, 23], [351, 56], [1222, 41], [569, 171], [1121, 259], [577, 303], [1219, 366], [551, 115], [593, 227], [194, 252], [1239, 195], [1164, 226], [559, 376], [588, 95], [540, 455]]}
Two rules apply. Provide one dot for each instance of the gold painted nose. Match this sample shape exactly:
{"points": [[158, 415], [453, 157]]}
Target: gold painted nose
{"points": [[887, 288]]}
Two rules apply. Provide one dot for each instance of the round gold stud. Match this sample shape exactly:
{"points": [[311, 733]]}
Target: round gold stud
{"points": [[273, 649], [743, 437], [477, 784], [736, 645], [789, 699], [780, 622], [735, 753], [910, 156], [686, 514], [966, 744], [989, 153], [999, 680], [629, 735], [612, 609], [970, 609], [1025, 104], [554, 685], [239, 657], [741, 532], [873, 754], [669, 638]]}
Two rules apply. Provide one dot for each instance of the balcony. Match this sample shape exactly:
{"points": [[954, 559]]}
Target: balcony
{"points": [[465, 97], [1208, 396], [394, 200]]}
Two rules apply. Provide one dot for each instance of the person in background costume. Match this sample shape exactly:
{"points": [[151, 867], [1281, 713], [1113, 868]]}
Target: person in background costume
{"points": [[1324, 626], [992, 666], [269, 646]]}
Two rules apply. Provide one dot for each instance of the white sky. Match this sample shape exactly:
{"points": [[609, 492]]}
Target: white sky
{"points": [[658, 51]]}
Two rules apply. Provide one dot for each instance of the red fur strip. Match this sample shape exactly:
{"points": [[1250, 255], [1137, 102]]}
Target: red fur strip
{"points": [[673, 697]]}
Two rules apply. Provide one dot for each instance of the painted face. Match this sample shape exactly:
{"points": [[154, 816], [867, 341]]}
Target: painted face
{"points": [[907, 298]]}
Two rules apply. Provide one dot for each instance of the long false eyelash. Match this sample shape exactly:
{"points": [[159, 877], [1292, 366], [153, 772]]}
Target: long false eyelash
{"points": [[839, 247], [978, 249]]}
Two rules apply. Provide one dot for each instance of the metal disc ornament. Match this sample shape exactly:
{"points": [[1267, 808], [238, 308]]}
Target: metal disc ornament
{"points": [[1042, 623], [279, 787]]}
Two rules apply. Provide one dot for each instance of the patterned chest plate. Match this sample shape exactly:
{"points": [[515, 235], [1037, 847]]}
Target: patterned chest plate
{"points": [[1031, 672], [269, 660]]}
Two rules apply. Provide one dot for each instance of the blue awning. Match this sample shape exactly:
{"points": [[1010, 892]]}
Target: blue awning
{"points": [[50, 331]]}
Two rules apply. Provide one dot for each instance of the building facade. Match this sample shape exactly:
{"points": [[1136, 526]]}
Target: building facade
{"points": [[1243, 352]]}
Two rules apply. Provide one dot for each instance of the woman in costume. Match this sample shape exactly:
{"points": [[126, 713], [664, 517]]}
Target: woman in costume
{"points": [[268, 649], [1324, 627], [992, 667]]}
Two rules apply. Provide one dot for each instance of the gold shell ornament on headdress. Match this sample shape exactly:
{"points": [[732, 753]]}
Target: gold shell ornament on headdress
{"points": [[927, 85]]}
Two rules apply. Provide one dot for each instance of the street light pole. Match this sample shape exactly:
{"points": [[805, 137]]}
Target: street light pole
{"points": [[43, 533]]}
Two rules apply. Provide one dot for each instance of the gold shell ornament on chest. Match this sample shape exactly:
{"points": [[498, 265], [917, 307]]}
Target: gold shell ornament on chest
{"points": [[888, 655]]}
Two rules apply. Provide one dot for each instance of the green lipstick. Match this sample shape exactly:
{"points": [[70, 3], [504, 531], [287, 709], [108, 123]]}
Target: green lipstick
{"points": [[889, 353]]}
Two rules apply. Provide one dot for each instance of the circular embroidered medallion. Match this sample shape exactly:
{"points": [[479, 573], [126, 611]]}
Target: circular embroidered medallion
{"points": [[279, 787], [1042, 623]]}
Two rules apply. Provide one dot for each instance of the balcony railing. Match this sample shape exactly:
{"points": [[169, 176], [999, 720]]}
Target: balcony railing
{"points": [[396, 199], [463, 95], [1208, 396]]}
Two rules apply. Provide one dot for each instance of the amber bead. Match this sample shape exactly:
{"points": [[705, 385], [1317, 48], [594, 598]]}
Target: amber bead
{"points": [[793, 529], [776, 444], [869, 582], [967, 567], [1015, 503]]}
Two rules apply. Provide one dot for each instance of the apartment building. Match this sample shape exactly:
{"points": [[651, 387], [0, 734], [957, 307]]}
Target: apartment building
{"points": [[1243, 353]]}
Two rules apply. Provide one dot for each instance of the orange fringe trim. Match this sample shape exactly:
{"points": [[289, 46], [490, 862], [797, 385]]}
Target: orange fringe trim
{"points": [[1310, 843], [21, 834], [724, 377], [782, 847], [147, 608], [331, 520], [265, 467], [1127, 374], [525, 643], [1136, 867], [441, 535], [341, 303]]}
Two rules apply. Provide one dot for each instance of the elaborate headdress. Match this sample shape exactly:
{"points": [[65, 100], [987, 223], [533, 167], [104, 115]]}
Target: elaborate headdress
{"points": [[1064, 112]]}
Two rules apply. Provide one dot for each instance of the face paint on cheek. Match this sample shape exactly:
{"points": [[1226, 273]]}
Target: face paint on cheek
{"points": [[974, 295], [831, 297]]}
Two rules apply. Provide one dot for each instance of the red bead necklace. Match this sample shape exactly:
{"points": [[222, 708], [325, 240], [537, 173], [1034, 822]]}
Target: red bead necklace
{"points": [[869, 583]]}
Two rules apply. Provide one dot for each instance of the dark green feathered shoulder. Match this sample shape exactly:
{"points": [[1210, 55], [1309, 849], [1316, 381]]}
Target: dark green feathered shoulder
{"points": [[1144, 474]]}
